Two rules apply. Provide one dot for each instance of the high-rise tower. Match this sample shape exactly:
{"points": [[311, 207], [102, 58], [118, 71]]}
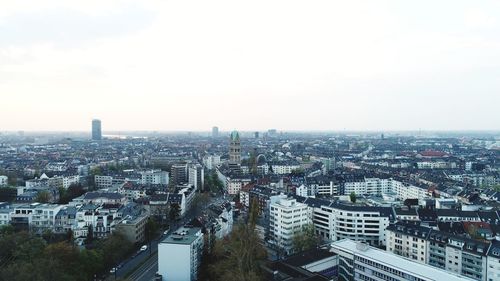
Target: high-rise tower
{"points": [[215, 132], [96, 129], [235, 148]]}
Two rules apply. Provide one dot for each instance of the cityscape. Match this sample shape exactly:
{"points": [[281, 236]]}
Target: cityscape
{"points": [[264, 140]]}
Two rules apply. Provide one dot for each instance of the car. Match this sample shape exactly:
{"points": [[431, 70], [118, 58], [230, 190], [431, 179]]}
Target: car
{"points": [[165, 232], [113, 270], [144, 247]]}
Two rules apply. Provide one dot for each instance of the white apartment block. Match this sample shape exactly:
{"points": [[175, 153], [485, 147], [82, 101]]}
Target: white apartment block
{"points": [[233, 186], [196, 176], [179, 255], [287, 218], [335, 221], [211, 161], [409, 242], [377, 186], [4, 180], [493, 261], [154, 177], [359, 261], [460, 255]]}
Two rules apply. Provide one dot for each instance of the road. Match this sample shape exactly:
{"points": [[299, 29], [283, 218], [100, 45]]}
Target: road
{"points": [[145, 263]]}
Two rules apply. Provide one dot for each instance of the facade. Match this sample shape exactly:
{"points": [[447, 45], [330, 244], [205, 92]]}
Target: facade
{"points": [[287, 218], [359, 261], [96, 129], [179, 255]]}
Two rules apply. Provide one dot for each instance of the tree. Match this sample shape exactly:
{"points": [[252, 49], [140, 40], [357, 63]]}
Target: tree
{"points": [[174, 212], [306, 239], [43, 197], [151, 229], [90, 234], [352, 196], [238, 257]]}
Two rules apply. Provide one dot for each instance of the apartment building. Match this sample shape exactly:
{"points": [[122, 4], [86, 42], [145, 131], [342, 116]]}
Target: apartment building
{"points": [[179, 255], [450, 252], [287, 218], [358, 261]]}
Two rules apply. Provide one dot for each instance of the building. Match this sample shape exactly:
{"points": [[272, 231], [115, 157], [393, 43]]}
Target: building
{"points": [[179, 174], [154, 177], [215, 132], [444, 250], [358, 261], [211, 161], [493, 272], [235, 149], [179, 255], [287, 218], [197, 177], [96, 129], [336, 221], [4, 180]]}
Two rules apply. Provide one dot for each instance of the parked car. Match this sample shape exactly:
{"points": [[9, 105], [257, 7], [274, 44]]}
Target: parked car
{"points": [[144, 247], [113, 270]]}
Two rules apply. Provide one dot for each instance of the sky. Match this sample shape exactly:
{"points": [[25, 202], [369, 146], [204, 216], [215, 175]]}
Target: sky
{"points": [[250, 65]]}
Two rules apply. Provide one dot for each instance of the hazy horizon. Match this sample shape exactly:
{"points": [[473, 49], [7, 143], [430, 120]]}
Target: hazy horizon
{"points": [[325, 66]]}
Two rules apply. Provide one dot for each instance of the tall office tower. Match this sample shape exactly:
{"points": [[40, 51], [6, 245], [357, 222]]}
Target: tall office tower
{"points": [[178, 175], [256, 135], [235, 149], [196, 176], [96, 129], [215, 132]]}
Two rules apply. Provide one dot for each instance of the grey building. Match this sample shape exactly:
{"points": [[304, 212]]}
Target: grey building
{"points": [[96, 129]]}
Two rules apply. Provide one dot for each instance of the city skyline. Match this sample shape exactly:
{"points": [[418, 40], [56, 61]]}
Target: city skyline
{"points": [[172, 66]]}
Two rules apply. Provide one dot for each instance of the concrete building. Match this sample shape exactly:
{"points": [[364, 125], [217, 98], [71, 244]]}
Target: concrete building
{"points": [[179, 255], [287, 218], [154, 177], [96, 129], [359, 261], [179, 174], [196, 177]]}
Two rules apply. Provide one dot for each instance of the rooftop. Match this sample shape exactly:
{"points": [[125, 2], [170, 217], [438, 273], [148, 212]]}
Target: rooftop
{"points": [[183, 235], [426, 272]]}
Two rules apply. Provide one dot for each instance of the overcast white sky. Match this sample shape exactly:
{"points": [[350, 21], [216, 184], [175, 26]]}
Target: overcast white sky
{"points": [[248, 65]]}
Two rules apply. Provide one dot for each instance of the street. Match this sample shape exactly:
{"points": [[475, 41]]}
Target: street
{"points": [[148, 260]]}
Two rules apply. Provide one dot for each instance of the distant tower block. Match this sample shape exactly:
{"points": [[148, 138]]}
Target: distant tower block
{"points": [[96, 129], [215, 132], [235, 148]]}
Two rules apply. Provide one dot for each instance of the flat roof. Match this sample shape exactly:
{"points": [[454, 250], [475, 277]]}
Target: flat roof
{"points": [[183, 235], [394, 261]]}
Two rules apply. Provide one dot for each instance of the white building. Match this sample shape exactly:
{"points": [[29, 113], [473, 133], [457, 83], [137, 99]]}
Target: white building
{"points": [[179, 255], [287, 218], [359, 261], [4, 180], [211, 161], [154, 177], [336, 221], [493, 271], [196, 176]]}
